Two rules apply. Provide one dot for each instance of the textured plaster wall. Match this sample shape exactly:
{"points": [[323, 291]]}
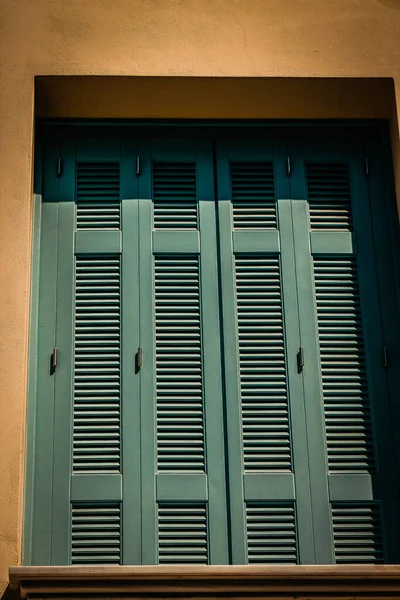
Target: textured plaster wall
{"points": [[206, 38]]}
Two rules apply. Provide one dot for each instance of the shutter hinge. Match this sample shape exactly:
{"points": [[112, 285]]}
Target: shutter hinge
{"points": [[53, 360], [139, 358], [59, 167], [288, 166], [366, 165], [385, 357], [300, 359], [137, 165]]}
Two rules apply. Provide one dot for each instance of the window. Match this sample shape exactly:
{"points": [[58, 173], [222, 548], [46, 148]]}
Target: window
{"points": [[223, 307]]}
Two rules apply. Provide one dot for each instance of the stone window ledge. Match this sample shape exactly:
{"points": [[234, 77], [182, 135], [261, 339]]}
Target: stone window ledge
{"points": [[202, 582]]}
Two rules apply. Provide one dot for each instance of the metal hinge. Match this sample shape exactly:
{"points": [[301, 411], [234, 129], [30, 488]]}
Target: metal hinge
{"points": [[288, 166], [139, 357], [59, 167], [137, 165], [366, 166], [54, 359], [300, 359], [385, 357]]}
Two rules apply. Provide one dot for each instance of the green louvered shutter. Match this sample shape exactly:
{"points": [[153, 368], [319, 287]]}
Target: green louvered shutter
{"points": [[340, 325], [97, 245], [183, 492], [270, 514]]}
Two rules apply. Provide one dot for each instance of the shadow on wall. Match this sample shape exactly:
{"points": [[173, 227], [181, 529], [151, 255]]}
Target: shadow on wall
{"points": [[390, 3], [10, 594]]}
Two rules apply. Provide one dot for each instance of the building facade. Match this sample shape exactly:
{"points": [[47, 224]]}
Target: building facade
{"points": [[262, 65]]}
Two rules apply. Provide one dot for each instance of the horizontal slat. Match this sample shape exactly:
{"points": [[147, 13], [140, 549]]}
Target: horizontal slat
{"points": [[329, 195], [344, 377], [253, 195], [263, 384], [98, 195], [182, 534], [96, 534], [357, 533], [179, 378], [96, 414], [174, 195], [271, 533]]}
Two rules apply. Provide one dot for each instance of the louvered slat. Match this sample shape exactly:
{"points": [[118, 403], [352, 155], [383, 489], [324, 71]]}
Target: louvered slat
{"points": [[96, 416], [174, 195], [96, 534], [253, 195], [265, 418], [271, 533], [179, 388], [98, 195], [329, 195], [357, 533], [182, 534], [344, 378]]}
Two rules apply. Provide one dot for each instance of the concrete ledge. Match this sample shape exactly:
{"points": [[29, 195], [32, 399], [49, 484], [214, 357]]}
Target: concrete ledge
{"points": [[303, 581]]}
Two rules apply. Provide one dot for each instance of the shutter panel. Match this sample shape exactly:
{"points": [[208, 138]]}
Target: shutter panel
{"points": [[180, 378], [328, 188], [338, 277], [268, 484], [98, 195], [88, 462], [357, 533], [271, 534], [343, 370], [179, 381], [96, 534], [263, 386], [97, 365], [182, 534], [174, 195]]}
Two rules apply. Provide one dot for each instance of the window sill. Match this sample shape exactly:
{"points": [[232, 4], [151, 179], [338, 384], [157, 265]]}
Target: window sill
{"points": [[302, 581]]}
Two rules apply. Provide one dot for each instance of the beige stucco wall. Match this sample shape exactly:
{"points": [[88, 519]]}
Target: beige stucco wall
{"points": [[175, 38]]}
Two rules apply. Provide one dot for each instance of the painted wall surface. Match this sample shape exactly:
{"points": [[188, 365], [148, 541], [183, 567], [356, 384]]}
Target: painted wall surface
{"points": [[175, 38]]}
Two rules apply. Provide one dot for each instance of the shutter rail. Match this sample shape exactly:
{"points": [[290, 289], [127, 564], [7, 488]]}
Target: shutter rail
{"points": [[287, 581]]}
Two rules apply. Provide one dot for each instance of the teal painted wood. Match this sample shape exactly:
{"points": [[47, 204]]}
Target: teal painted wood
{"points": [[384, 476], [299, 433], [271, 533], [386, 247], [311, 372], [95, 534], [183, 535], [269, 272], [357, 533], [64, 372], [188, 394], [130, 380], [212, 376], [147, 371], [43, 452], [95, 496], [236, 515], [182, 487], [32, 361]]}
